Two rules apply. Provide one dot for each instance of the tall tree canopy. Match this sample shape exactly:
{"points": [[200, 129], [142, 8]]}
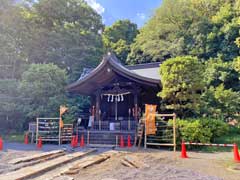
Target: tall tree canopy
{"points": [[218, 72], [189, 27], [66, 33], [63, 32], [182, 82], [42, 86], [12, 32], [118, 38]]}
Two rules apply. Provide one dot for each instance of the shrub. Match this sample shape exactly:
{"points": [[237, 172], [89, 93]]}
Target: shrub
{"points": [[217, 127], [200, 130]]}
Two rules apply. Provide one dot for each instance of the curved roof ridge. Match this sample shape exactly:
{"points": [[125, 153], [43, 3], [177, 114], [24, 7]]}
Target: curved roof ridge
{"points": [[127, 70], [112, 60]]}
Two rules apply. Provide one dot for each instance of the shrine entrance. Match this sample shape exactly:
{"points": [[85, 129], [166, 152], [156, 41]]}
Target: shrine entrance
{"points": [[117, 97]]}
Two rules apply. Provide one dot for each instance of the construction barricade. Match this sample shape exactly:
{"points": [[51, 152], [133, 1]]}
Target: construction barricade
{"points": [[236, 155]]}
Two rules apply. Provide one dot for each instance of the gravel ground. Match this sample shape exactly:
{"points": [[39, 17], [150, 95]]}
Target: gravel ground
{"points": [[162, 165]]}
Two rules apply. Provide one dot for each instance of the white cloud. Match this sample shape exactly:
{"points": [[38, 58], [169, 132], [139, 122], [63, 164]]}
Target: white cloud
{"points": [[96, 6], [141, 16]]}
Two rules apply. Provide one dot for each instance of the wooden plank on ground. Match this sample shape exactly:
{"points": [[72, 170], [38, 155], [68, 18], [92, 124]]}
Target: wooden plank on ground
{"points": [[74, 166], [89, 161], [125, 163], [19, 166], [43, 167], [35, 157], [75, 169], [134, 162]]}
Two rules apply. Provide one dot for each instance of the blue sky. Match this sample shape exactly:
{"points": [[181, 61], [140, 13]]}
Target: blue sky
{"points": [[138, 11]]}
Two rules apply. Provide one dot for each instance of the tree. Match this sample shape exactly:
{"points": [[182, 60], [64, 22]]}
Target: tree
{"points": [[43, 87], [221, 95], [11, 117], [236, 65], [220, 102], [189, 27], [182, 83], [218, 72], [63, 32], [118, 37], [12, 33]]}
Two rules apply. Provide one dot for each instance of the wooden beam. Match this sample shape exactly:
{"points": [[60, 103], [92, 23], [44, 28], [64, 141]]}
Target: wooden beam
{"points": [[125, 163], [43, 167], [88, 161], [134, 162], [76, 166], [35, 157], [31, 163]]}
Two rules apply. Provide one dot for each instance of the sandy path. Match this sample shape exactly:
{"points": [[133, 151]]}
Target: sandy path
{"points": [[164, 165]]}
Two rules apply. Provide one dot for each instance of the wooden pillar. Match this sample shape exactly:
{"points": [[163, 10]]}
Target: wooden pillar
{"points": [[97, 105], [136, 105]]}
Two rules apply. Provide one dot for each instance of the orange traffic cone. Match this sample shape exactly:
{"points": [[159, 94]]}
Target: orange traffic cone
{"points": [[129, 141], [39, 144], [76, 141], [26, 138], [1, 144], [236, 153], [121, 142], [82, 141], [72, 142], [184, 152]]}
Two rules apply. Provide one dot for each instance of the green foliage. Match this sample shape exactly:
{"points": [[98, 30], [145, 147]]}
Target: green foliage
{"points": [[63, 32], [200, 130], [217, 127], [193, 131], [76, 104], [10, 113], [68, 34], [11, 56], [231, 137], [43, 87], [219, 102], [221, 95], [189, 27], [236, 66], [238, 41], [218, 72], [182, 82], [8, 93], [118, 38]]}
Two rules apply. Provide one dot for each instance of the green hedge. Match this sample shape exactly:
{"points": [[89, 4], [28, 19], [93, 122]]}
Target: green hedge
{"points": [[203, 130]]}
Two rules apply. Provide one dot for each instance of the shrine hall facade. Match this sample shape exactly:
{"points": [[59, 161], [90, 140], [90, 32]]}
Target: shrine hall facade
{"points": [[118, 95]]}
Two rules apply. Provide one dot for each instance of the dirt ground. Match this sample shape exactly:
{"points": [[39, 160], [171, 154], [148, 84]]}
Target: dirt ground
{"points": [[164, 165], [160, 165]]}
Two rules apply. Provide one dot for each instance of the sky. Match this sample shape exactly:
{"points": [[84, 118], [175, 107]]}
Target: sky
{"points": [[138, 11]]}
